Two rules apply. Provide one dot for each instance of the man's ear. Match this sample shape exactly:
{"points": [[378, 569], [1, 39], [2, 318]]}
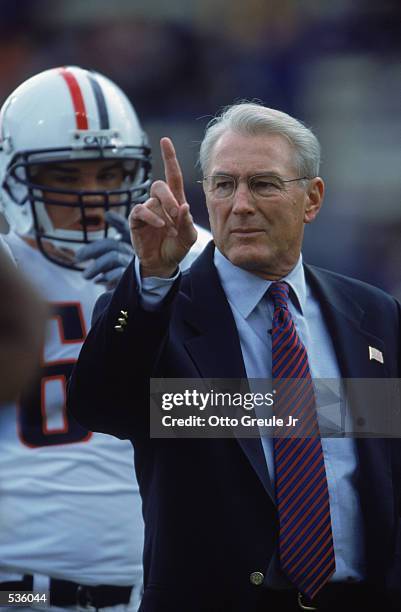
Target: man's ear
{"points": [[314, 199]]}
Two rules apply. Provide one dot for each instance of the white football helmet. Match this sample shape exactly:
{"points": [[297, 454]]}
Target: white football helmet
{"points": [[68, 114]]}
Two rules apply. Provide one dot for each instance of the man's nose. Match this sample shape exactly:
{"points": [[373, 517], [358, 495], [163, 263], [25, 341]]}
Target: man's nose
{"points": [[92, 191], [91, 184], [243, 200]]}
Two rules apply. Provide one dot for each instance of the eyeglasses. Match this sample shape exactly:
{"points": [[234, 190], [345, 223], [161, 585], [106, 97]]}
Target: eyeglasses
{"points": [[260, 185]]}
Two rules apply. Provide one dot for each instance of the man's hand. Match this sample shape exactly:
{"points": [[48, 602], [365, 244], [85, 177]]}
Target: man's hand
{"points": [[111, 257], [162, 229]]}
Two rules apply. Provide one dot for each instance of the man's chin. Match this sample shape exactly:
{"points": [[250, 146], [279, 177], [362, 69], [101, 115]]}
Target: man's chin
{"points": [[262, 264], [248, 258]]}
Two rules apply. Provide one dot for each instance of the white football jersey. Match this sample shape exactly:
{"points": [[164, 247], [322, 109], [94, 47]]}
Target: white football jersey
{"points": [[69, 501]]}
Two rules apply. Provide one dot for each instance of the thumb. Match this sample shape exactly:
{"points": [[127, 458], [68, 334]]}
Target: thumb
{"points": [[185, 225]]}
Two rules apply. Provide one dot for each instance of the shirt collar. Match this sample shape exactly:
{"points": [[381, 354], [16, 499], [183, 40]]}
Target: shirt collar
{"points": [[245, 290]]}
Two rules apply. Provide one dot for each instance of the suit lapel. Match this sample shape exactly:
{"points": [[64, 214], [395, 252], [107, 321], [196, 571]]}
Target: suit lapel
{"points": [[345, 321], [344, 318], [214, 345]]}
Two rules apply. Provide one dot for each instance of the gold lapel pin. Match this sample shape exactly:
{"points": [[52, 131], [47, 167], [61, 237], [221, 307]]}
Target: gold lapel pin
{"points": [[122, 321]]}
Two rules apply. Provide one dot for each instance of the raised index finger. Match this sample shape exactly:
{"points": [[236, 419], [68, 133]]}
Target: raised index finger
{"points": [[172, 170]]}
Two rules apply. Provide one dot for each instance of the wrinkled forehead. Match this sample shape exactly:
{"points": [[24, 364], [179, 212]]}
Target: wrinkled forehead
{"points": [[240, 154]]}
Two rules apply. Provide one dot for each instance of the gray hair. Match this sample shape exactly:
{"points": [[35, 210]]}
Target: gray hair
{"points": [[251, 119]]}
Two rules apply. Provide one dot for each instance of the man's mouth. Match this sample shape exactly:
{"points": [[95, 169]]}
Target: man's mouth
{"points": [[247, 231]]}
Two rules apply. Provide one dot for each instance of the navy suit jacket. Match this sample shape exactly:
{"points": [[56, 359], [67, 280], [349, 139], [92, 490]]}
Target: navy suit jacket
{"points": [[210, 520]]}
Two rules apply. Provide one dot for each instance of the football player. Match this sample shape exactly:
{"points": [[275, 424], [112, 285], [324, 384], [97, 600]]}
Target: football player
{"points": [[73, 161]]}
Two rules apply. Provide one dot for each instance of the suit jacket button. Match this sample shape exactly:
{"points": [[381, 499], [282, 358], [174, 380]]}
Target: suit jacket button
{"points": [[256, 578]]}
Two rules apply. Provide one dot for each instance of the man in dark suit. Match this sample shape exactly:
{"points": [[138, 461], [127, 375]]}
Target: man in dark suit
{"points": [[213, 508]]}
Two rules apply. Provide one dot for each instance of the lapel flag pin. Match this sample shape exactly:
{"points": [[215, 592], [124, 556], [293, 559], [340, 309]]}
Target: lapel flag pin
{"points": [[375, 354]]}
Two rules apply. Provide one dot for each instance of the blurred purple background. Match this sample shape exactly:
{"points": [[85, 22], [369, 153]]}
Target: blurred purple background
{"points": [[334, 65]]}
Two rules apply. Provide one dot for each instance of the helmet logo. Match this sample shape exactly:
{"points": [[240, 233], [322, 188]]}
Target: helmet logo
{"points": [[99, 139], [96, 141]]}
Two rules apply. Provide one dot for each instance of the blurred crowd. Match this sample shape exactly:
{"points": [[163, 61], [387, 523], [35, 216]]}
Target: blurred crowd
{"points": [[333, 65]]}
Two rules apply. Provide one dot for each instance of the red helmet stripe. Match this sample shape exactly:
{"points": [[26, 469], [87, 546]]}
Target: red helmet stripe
{"points": [[77, 99]]}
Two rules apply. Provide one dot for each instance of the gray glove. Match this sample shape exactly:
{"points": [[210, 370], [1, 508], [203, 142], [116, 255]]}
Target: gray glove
{"points": [[111, 257]]}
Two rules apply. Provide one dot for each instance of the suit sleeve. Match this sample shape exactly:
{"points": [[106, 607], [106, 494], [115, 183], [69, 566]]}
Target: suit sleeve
{"points": [[109, 387]]}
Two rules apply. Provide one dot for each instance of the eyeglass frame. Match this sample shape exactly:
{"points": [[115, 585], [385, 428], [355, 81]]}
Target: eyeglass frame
{"points": [[236, 181]]}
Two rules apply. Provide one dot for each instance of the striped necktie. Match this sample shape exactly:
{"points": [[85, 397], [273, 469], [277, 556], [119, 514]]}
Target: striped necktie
{"points": [[305, 540]]}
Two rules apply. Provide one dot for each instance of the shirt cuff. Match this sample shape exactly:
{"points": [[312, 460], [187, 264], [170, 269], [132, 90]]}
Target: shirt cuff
{"points": [[153, 289]]}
